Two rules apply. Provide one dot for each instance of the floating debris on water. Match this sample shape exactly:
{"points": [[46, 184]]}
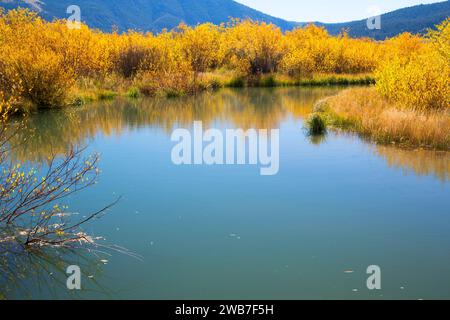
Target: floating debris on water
{"points": [[349, 271]]}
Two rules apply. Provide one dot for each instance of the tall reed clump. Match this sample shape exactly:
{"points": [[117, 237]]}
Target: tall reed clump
{"points": [[317, 124]]}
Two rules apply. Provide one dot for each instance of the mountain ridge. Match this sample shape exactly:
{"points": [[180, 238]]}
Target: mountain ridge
{"points": [[155, 15], [414, 19]]}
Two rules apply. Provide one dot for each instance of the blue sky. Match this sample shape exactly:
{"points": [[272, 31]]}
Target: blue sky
{"points": [[328, 10]]}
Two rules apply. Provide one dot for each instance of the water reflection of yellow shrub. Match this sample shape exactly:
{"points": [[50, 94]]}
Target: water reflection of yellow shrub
{"points": [[56, 131], [421, 162]]}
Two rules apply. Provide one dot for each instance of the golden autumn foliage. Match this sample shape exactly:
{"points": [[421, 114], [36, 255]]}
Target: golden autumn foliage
{"points": [[167, 70], [28, 63], [134, 53], [416, 75], [47, 63], [311, 49], [5, 107], [440, 39], [201, 46], [254, 48]]}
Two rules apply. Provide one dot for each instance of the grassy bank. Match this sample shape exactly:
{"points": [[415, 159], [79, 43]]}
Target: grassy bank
{"points": [[318, 80], [89, 91], [231, 79], [366, 112]]}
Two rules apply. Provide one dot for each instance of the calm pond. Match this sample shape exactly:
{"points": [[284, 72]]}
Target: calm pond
{"points": [[338, 205]]}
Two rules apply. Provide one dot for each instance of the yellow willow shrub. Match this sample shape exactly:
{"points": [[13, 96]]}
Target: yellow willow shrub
{"points": [[402, 47], [347, 55], [419, 80], [298, 61], [312, 50], [254, 48], [440, 39], [134, 52], [86, 51], [421, 83], [169, 72], [7, 87], [298, 64], [312, 41], [6, 106], [38, 71], [307, 52], [201, 46], [43, 76]]}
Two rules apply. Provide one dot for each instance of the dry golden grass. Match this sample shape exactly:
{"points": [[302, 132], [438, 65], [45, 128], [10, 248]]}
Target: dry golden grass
{"points": [[363, 110]]}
